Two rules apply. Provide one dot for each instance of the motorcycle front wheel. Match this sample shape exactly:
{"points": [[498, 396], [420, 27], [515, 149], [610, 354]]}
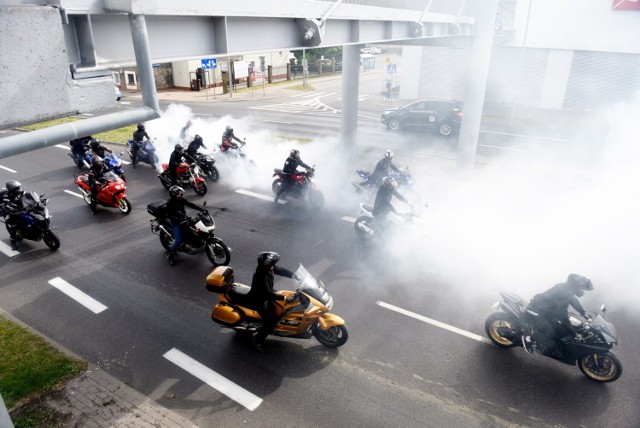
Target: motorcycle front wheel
{"points": [[212, 173], [276, 185], [218, 253], [51, 240], [502, 329], [200, 188], [124, 205], [606, 368], [364, 227], [332, 338]]}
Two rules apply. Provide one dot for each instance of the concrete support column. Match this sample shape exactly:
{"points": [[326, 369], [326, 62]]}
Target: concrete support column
{"points": [[350, 83], [484, 13], [143, 60]]}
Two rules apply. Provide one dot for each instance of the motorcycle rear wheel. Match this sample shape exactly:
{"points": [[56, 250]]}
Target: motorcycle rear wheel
{"points": [[124, 205], [51, 240], [360, 226], [212, 173], [334, 337], [497, 324], [200, 189], [608, 369], [276, 185], [166, 240], [165, 180], [218, 253]]}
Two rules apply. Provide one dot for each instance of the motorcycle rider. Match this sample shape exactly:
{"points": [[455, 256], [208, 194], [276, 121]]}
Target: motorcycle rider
{"points": [[290, 168], [382, 205], [12, 202], [262, 293], [197, 142], [548, 313], [177, 157], [99, 149], [177, 214], [227, 140], [78, 147], [138, 137], [383, 168], [96, 172], [184, 132]]}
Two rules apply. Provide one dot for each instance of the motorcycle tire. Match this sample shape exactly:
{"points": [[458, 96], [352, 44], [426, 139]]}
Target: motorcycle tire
{"points": [[213, 174], [363, 227], [86, 196], [165, 180], [124, 205], [607, 369], [316, 199], [334, 337], [51, 240], [276, 185], [166, 240], [497, 325], [200, 189], [218, 253]]}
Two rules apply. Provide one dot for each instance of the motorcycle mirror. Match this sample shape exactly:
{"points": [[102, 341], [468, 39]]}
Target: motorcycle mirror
{"points": [[603, 309], [204, 204]]}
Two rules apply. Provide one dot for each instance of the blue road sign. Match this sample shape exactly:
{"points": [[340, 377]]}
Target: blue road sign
{"points": [[208, 63]]}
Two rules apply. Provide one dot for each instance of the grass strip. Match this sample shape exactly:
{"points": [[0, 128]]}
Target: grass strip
{"points": [[117, 136]]}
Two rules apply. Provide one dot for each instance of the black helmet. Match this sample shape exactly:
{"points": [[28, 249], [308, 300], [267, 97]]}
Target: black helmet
{"points": [[13, 186], [268, 258], [197, 139], [229, 128], [95, 160], [579, 284], [176, 192], [179, 148], [140, 127], [295, 153], [94, 144]]}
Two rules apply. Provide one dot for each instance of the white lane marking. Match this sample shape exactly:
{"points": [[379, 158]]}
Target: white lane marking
{"points": [[79, 296], [8, 169], [258, 195], [73, 193], [513, 149], [6, 249], [535, 137], [87, 114], [303, 94], [60, 146], [125, 102], [277, 121], [434, 322], [349, 219], [213, 379], [312, 94]]}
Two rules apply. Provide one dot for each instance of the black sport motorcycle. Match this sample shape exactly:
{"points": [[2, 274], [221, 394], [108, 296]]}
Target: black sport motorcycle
{"points": [[197, 234], [590, 348], [32, 222], [207, 165]]}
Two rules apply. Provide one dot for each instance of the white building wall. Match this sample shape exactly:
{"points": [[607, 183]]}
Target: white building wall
{"points": [[554, 87]]}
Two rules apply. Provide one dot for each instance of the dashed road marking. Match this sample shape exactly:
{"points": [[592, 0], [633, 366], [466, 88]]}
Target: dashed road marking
{"points": [[213, 379], [4, 248], [79, 296], [73, 193], [8, 169], [349, 219], [258, 195], [434, 322]]}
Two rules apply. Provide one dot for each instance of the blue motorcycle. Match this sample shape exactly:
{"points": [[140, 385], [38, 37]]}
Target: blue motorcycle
{"points": [[146, 152], [32, 222], [114, 163], [403, 178]]}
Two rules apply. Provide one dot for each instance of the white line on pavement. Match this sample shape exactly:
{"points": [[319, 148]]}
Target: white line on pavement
{"points": [[8, 169], [79, 296], [434, 322], [349, 219], [277, 121], [213, 379], [303, 94], [7, 250], [62, 146], [258, 195], [73, 193]]}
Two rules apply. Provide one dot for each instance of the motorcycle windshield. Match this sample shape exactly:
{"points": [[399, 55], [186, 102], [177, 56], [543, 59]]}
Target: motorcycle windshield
{"points": [[311, 286], [605, 327], [30, 199], [110, 176]]}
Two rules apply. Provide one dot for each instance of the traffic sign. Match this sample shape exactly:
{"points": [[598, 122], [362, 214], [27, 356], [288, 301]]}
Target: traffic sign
{"points": [[208, 63]]}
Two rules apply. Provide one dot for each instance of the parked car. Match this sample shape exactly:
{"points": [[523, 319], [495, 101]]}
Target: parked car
{"points": [[443, 115], [118, 93]]}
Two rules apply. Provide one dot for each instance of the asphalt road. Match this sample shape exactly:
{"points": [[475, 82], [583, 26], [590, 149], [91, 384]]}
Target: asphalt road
{"points": [[395, 370]]}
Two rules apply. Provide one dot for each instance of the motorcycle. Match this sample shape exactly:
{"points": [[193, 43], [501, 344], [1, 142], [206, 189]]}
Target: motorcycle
{"points": [[114, 163], [197, 234], [146, 152], [403, 178], [188, 176], [110, 191], [34, 220], [303, 186], [589, 349], [207, 163], [306, 316], [367, 227], [81, 159], [237, 154]]}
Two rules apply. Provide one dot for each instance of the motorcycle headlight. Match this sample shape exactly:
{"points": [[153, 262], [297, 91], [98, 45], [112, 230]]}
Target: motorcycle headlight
{"points": [[329, 304]]}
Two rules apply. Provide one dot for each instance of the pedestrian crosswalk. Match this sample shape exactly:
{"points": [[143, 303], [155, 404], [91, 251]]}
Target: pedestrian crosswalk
{"points": [[307, 103]]}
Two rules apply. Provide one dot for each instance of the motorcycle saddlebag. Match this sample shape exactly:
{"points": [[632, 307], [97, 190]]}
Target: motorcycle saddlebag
{"points": [[220, 279], [225, 314], [157, 209]]}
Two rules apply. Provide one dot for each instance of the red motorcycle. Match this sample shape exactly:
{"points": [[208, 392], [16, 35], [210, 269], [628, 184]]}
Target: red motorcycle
{"points": [[110, 193], [188, 176], [303, 186]]}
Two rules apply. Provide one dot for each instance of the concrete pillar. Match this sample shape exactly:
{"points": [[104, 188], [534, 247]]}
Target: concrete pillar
{"points": [[350, 82], [143, 59], [5, 420], [484, 13]]}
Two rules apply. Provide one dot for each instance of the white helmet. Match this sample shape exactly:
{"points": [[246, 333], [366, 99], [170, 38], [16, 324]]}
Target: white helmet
{"points": [[388, 154]]}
